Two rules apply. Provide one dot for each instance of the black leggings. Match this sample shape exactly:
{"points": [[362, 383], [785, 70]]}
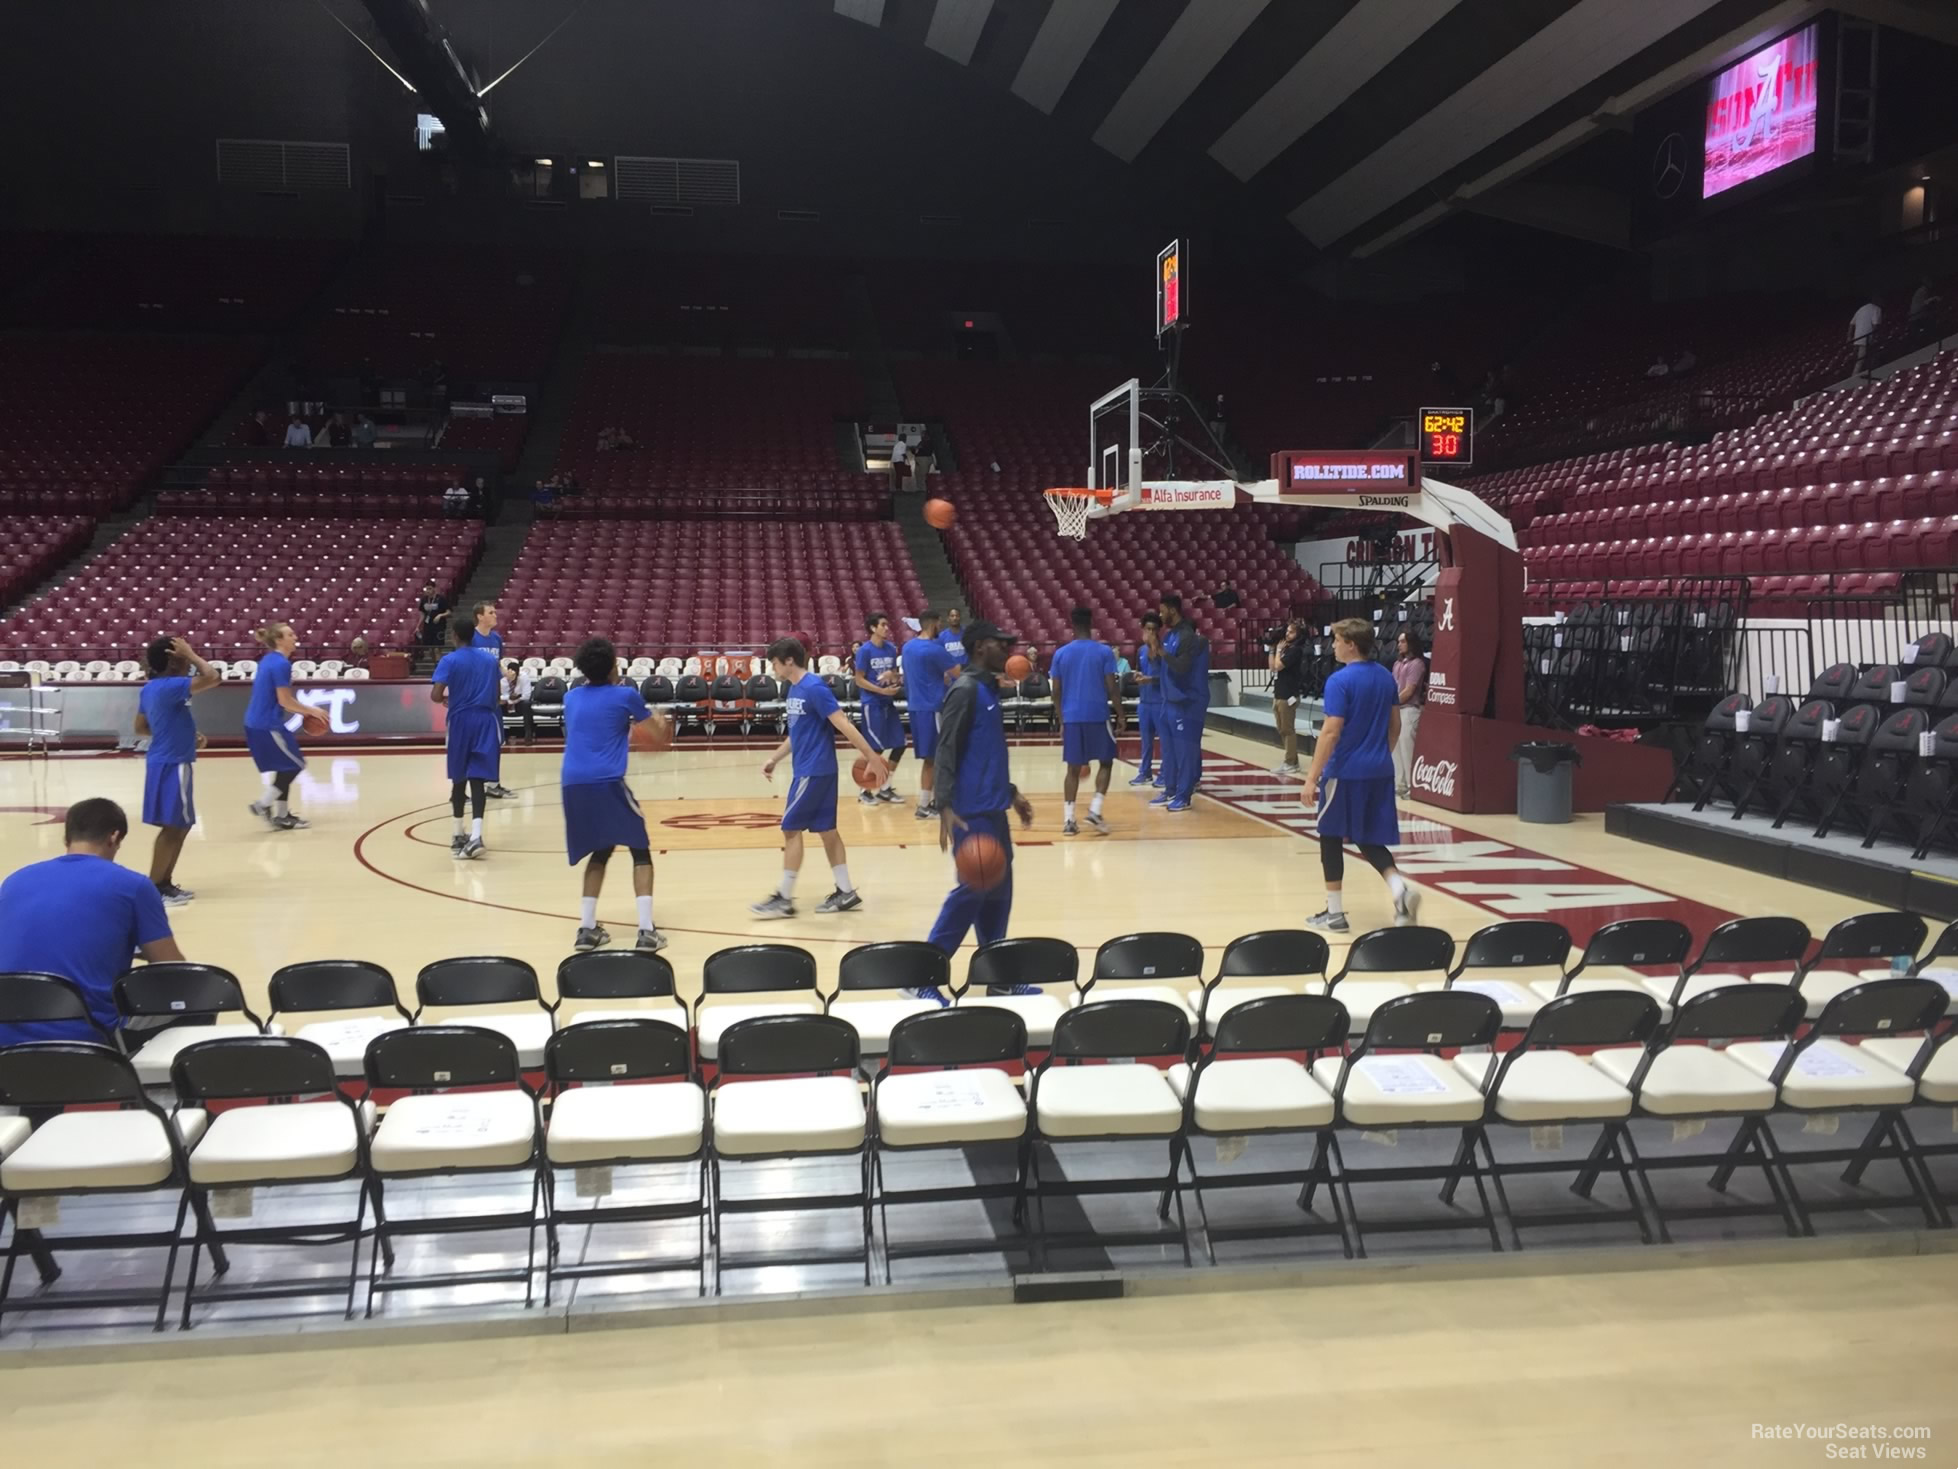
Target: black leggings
{"points": [[1332, 858], [641, 856], [282, 782], [477, 799]]}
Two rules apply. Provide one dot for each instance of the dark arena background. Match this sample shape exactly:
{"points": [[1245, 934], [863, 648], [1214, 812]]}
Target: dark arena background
{"points": [[1388, 572]]}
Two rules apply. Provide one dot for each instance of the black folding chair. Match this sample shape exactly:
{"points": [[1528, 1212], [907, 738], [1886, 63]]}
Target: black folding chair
{"points": [[1752, 942], [1865, 936], [1833, 773], [868, 981], [1629, 946], [1753, 753], [1931, 794], [604, 978], [1701, 773], [1387, 964], [168, 1006], [339, 987], [1296, 954], [1872, 798], [31, 998], [1147, 966], [755, 981], [1785, 786], [488, 992], [997, 969], [1518, 946]]}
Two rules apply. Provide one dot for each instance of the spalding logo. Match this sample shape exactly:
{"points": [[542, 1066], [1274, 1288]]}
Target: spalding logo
{"points": [[1437, 776]]}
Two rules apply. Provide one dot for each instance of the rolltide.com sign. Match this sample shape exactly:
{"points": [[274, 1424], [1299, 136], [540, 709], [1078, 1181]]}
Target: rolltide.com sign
{"points": [[1385, 477]]}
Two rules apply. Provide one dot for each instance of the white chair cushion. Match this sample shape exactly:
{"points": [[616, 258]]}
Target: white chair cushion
{"points": [[1237, 992], [1821, 986], [296, 1140], [716, 1017], [1519, 1003], [938, 1108], [1038, 1013], [1550, 1086], [1688, 1081], [13, 1132], [1546, 989], [1121, 989], [875, 1019], [661, 1010], [1362, 997], [1398, 1091], [345, 1040], [800, 1114], [597, 1124], [529, 1030], [456, 1130], [84, 1150], [1127, 1100], [1254, 1094], [1699, 984], [1828, 1074], [1939, 1083], [153, 1061]]}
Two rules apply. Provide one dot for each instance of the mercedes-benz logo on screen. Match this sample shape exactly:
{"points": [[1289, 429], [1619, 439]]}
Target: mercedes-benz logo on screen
{"points": [[1669, 166]]}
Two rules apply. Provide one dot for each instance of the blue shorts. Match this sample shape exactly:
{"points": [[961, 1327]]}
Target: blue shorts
{"points": [[812, 803], [599, 816], [475, 744], [1360, 811], [1086, 743], [275, 750], [924, 734], [882, 729], [167, 794]]}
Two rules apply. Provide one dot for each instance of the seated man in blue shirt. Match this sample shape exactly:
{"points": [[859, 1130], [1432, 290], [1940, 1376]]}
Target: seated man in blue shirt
{"points": [[84, 918]]}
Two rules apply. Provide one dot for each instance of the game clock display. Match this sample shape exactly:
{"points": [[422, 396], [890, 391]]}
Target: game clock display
{"points": [[1447, 435]]}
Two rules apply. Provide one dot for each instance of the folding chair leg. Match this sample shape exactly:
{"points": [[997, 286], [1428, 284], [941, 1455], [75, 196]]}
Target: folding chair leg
{"points": [[1019, 1215], [714, 1224], [1495, 1182], [1341, 1187], [1587, 1176], [360, 1228], [1462, 1156], [374, 1255], [530, 1239], [381, 1239], [197, 1243], [200, 1200], [863, 1178], [1169, 1183], [1618, 1134], [170, 1262], [1039, 1210], [1176, 1193], [36, 1245], [1918, 1172], [1782, 1181], [1475, 1173], [883, 1210], [1736, 1149], [700, 1228]]}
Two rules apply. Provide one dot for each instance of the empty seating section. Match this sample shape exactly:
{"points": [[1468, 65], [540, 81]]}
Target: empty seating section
{"points": [[1053, 308], [503, 434], [342, 486], [725, 303], [687, 585], [180, 282], [84, 421], [1030, 419], [32, 546], [215, 579]]}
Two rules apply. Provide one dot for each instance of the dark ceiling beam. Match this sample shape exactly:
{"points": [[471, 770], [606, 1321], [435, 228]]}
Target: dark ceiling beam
{"points": [[439, 75]]}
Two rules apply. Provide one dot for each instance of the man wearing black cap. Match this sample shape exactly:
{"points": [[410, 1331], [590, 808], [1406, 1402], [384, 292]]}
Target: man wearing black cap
{"points": [[974, 792]]}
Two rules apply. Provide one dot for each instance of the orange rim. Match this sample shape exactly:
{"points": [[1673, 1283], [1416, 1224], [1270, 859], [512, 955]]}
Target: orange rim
{"points": [[1100, 497]]}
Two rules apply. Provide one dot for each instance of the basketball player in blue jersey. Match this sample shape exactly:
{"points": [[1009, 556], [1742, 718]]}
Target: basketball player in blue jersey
{"points": [[952, 635], [1186, 700], [877, 682], [600, 812], [1086, 688], [469, 685], [814, 720], [177, 675], [927, 665], [486, 636], [275, 749], [1149, 700]]}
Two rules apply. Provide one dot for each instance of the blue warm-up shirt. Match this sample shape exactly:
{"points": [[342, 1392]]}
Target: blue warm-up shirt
{"points": [[598, 720]]}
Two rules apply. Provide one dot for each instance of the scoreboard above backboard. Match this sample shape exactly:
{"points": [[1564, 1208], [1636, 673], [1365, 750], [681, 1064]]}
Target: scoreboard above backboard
{"points": [[1446, 435], [1172, 294]]}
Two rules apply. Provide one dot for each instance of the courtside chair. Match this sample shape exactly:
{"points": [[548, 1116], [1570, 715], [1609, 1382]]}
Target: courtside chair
{"points": [[868, 980], [1931, 1062], [1504, 960], [1931, 795], [748, 982], [1821, 1074], [1753, 753], [624, 1095], [1756, 942], [1856, 940], [1123, 1098], [1255, 1080], [281, 1142], [1046, 963], [606, 984], [1297, 955], [468, 1111], [29, 998], [1146, 966], [1617, 955], [133, 1147], [1392, 962], [1703, 773], [786, 1087], [1939, 962], [1541, 1083], [956, 1090], [179, 1003], [1415, 1089], [335, 989], [1686, 1076], [488, 993]]}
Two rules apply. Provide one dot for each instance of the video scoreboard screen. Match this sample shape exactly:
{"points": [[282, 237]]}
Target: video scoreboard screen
{"points": [[1172, 297], [1446, 435]]}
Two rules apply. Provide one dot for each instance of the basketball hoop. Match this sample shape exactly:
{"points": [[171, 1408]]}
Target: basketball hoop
{"points": [[1071, 509]]}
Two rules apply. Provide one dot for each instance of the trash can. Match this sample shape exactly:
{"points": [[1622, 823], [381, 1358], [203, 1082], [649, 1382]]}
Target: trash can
{"points": [[1543, 780]]}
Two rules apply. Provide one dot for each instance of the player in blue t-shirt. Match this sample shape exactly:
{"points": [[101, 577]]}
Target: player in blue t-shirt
{"points": [[469, 683], [814, 720], [163, 713], [274, 747], [877, 679], [486, 636], [1184, 654], [1149, 700], [600, 811], [927, 665], [952, 635], [1355, 760], [1085, 688]]}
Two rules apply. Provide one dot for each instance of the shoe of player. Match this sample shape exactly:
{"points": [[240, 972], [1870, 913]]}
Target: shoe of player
{"points": [[1000, 990], [174, 896], [840, 902], [1179, 804], [1143, 779], [1157, 782], [456, 844], [1069, 829], [1408, 908], [1330, 921], [773, 906], [262, 808], [889, 795], [472, 849], [1160, 800], [651, 941], [501, 792], [927, 813], [591, 938], [1097, 823], [1285, 772], [866, 798], [928, 992], [289, 822]]}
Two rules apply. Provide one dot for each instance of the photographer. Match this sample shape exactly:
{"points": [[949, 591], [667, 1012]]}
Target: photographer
{"points": [[1285, 650]]}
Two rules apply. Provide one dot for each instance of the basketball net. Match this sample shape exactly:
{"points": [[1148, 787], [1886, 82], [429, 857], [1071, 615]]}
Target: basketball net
{"points": [[1071, 508]]}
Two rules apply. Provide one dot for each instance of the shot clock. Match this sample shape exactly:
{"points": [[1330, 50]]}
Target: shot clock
{"points": [[1447, 435]]}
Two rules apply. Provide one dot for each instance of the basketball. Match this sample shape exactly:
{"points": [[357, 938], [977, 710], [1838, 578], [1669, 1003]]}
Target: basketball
{"points": [[653, 734], [939, 514], [313, 722], [981, 861], [1017, 667], [860, 773]]}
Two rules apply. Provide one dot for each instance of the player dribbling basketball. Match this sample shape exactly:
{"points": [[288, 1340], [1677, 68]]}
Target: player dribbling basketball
{"points": [[275, 750], [877, 679]]}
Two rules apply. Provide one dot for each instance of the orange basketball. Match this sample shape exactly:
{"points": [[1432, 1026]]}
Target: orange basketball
{"points": [[981, 861], [1017, 667], [939, 514], [860, 773], [313, 722], [653, 734]]}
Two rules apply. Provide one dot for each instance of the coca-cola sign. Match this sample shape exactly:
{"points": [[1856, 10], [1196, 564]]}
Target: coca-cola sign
{"points": [[1437, 777]]}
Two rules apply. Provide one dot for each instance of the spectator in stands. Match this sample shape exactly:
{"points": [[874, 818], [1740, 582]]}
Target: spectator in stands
{"points": [[455, 501], [1862, 327], [299, 434], [1685, 362], [1922, 300], [365, 432], [479, 497], [82, 916], [995, 466], [1225, 596], [900, 455], [616, 439], [339, 434], [1660, 367], [1411, 680], [258, 430], [517, 686], [1033, 656], [357, 653], [434, 609]]}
